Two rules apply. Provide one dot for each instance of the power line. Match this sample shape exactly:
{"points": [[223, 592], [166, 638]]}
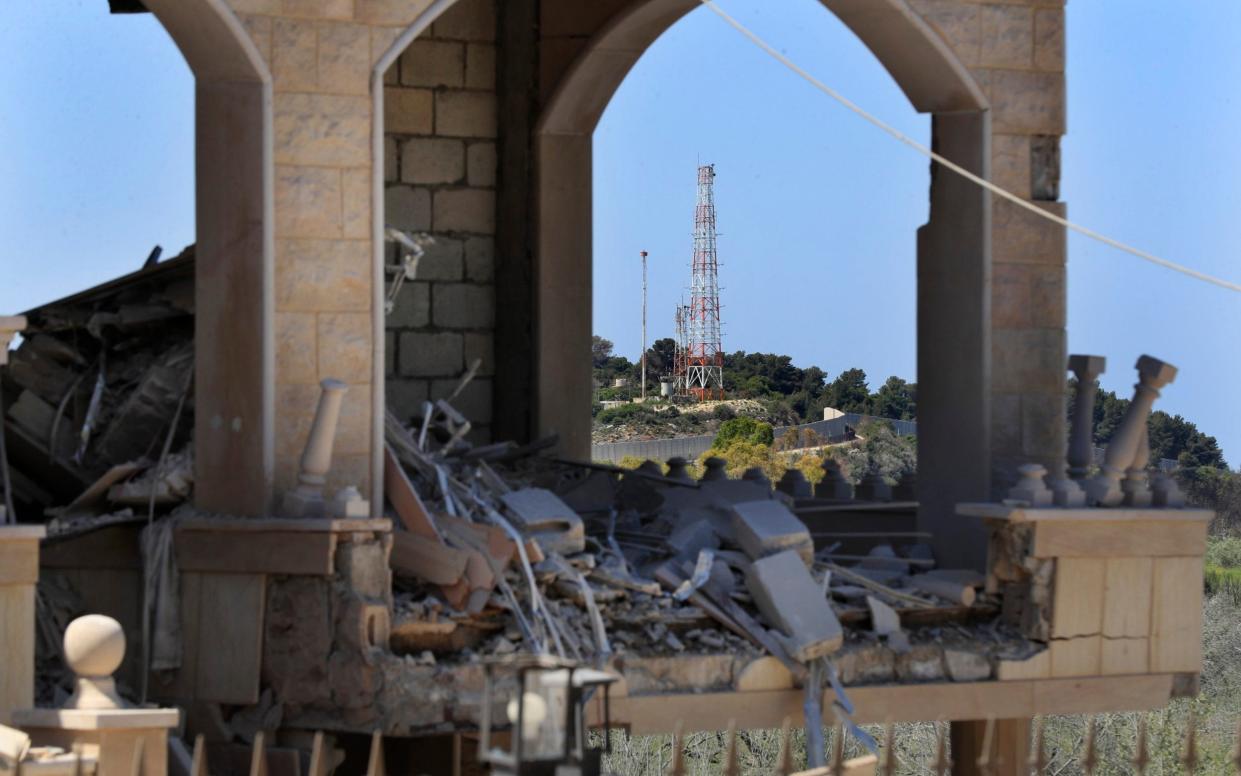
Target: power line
{"points": [[958, 169]]}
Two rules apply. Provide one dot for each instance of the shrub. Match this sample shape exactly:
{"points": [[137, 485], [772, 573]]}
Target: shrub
{"points": [[623, 413], [743, 429]]}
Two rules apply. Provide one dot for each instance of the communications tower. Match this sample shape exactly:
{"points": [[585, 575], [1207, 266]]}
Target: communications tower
{"points": [[704, 355]]}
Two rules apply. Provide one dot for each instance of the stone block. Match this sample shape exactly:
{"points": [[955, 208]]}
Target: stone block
{"points": [[1007, 36], [363, 567], [323, 275], [433, 63], [406, 207], [957, 23], [468, 20], [481, 164], [308, 202], [326, 130], [269, 7], [480, 258], [1027, 295], [294, 64], [396, 13], [1027, 102], [1010, 163], [1049, 39], [465, 114], [413, 307], [391, 160], [405, 396], [431, 355], [344, 59], [353, 434], [922, 663], [480, 66], [1018, 236], [407, 111], [789, 599], [1006, 423], [345, 346], [465, 210], [356, 193], [432, 160], [463, 306], [443, 260], [296, 351], [481, 346], [382, 40], [768, 527], [474, 402], [259, 29], [966, 666], [1028, 361], [1042, 426], [319, 9]]}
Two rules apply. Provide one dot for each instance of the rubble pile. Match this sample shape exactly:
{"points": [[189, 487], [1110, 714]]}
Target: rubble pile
{"points": [[97, 382], [504, 548]]}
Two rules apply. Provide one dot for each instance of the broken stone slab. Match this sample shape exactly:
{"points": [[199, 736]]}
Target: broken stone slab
{"points": [[546, 519], [791, 600], [884, 619], [764, 528], [966, 666], [691, 537]]}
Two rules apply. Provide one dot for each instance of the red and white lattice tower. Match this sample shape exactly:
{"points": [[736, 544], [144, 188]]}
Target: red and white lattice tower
{"points": [[704, 356], [679, 388]]}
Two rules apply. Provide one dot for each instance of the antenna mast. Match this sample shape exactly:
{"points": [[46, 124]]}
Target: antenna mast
{"points": [[704, 358]]}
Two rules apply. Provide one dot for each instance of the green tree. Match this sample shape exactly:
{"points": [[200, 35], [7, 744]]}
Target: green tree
{"points": [[849, 392], [895, 399], [745, 430], [600, 350]]}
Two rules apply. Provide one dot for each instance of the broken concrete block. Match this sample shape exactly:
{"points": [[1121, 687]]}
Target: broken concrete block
{"points": [[548, 520], [791, 600], [884, 620], [764, 528], [795, 484], [691, 537]]}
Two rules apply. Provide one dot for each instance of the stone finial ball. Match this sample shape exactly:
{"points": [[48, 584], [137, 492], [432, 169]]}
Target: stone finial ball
{"points": [[94, 645]]}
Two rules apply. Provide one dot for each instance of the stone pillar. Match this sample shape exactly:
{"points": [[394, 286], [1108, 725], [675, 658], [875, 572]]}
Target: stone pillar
{"points": [[1122, 450], [1081, 440], [19, 573]]}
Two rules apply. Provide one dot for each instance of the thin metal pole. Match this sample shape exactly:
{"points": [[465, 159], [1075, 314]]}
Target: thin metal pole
{"points": [[643, 327]]}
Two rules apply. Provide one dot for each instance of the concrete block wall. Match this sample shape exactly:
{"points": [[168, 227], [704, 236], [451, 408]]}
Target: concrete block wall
{"points": [[440, 130], [1015, 50]]}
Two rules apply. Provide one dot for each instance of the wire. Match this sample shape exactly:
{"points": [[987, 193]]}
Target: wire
{"points": [[958, 169]]}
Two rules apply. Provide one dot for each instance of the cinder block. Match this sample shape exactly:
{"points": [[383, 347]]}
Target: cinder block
{"points": [[463, 306], [433, 63], [1049, 39], [1007, 36], [431, 355], [391, 160], [432, 160], [405, 396], [788, 597], [407, 111], [481, 164], [465, 114], [474, 402], [468, 20], [465, 210], [413, 307], [481, 346], [443, 260], [480, 258], [480, 66], [406, 207]]}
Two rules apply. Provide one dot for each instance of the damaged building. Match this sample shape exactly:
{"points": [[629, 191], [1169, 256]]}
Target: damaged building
{"points": [[323, 470]]}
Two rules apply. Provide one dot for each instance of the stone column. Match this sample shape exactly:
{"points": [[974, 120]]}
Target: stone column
{"points": [[1122, 451], [1081, 439]]}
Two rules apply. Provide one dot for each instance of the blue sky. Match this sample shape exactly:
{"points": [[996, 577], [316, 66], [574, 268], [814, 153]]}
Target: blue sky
{"points": [[817, 210]]}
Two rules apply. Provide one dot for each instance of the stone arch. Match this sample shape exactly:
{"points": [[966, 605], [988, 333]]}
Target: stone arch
{"points": [[234, 427], [954, 247]]}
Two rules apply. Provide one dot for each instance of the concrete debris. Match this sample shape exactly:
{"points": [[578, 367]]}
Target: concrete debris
{"points": [[884, 621], [546, 519], [788, 597], [765, 528]]}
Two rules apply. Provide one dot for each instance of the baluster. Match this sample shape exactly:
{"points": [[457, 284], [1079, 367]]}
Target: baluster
{"points": [[1137, 491], [1081, 438]]}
